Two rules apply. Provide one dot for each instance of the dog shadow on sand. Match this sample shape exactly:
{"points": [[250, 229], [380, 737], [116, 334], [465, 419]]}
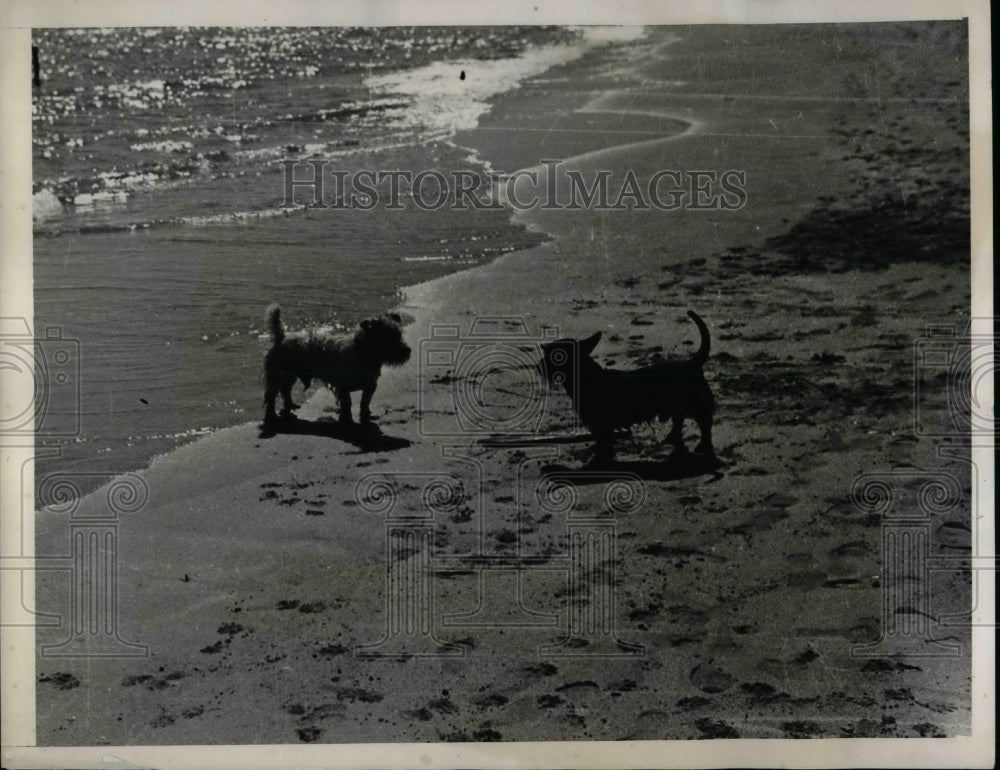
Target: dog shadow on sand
{"points": [[679, 465], [367, 437]]}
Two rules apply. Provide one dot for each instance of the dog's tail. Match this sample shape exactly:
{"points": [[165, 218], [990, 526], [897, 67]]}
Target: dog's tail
{"points": [[274, 324], [701, 356]]}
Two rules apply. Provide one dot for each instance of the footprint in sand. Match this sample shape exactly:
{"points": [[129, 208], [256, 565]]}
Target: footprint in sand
{"points": [[62, 681], [693, 703], [801, 729], [716, 728], [806, 580], [710, 679], [332, 650], [762, 693], [309, 734], [549, 701], [540, 670], [151, 682], [163, 720], [762, 521], [491, 700], [586, 684]]}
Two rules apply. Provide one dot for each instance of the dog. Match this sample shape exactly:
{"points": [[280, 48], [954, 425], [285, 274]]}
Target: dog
{"points": [[345, 362], [612, 400]]}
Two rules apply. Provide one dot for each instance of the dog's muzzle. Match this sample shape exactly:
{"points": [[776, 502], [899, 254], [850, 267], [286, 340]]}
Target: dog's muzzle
{"points": [[401, 356]]}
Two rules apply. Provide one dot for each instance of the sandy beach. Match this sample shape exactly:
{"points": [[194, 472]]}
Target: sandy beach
{"points": [[262, 573]]}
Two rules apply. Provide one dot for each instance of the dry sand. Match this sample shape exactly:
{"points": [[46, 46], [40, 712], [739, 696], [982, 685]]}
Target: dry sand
{"points": [[255, 569]]}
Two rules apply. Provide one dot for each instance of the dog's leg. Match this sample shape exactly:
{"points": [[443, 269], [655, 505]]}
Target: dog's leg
{"points": [[366, 400], [676, 435], [286, 396], [704, 421], [604, 448], [290, 405], [271, 387], [270, 396], [344, 399]]}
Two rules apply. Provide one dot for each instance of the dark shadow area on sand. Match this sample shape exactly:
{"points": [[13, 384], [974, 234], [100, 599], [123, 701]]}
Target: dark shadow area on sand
{"points": [[874, 237], [684, 465], [678, 465], [367, 438]]}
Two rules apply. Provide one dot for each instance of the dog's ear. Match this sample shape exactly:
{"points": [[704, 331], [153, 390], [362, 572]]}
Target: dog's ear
{"points": [[587, 346], [395, 317]]}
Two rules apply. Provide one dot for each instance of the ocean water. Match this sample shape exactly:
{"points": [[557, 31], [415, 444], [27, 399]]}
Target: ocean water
{"points": [[161, 225]]}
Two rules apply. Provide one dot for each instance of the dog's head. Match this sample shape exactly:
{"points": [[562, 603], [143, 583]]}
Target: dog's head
{"points": [[561, 358], [383, 336]]}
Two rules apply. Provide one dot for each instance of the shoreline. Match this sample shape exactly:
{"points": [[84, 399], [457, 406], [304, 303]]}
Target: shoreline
{"points": [[746, 591], [192, 408]]}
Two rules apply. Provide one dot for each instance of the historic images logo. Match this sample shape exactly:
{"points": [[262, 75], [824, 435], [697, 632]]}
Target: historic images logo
{"points": [[548, 186]]}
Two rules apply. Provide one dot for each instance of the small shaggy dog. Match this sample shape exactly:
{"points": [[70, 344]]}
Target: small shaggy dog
{"points": [[608, 400], [345, 362]]}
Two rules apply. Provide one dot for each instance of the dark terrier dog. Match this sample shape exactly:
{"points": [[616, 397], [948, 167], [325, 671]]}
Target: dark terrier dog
{"points": [[345, 362], [607, 400]]}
